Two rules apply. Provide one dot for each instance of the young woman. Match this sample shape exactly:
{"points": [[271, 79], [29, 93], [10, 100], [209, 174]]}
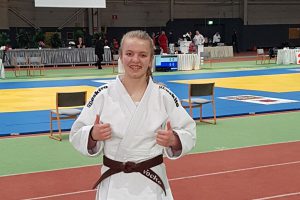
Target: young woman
{"points": [[133, 122], [80, 43]]}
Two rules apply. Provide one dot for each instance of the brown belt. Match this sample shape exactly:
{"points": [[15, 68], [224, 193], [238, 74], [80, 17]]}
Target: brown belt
{"points": [[129, 167]]}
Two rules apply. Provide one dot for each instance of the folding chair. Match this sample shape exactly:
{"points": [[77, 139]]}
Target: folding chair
{"points": [[207, 58], [19, 63], [36, 63], [68, 106], [196, 91], [261, 56]]}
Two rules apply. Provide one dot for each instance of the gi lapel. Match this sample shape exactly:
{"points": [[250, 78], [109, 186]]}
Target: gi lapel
{"points": [[136, 115]]}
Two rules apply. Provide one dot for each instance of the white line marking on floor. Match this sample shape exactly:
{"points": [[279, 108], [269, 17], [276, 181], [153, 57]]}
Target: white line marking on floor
{"points": [[235, 170], [279, 196], [188, 177], [59, 195], [194, 153]]}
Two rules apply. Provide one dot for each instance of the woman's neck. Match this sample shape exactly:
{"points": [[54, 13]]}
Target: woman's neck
{"points": [[135, 87]]}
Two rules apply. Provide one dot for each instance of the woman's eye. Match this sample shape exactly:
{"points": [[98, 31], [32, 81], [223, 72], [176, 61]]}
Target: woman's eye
{"points": [[128, 54]]}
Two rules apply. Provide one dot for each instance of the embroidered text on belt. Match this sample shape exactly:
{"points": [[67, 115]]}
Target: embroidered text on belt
{"points": [[128, 167]]}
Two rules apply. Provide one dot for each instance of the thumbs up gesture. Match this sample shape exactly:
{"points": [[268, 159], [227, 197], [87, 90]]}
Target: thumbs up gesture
{"points": [[167, 138], [101, 131]]}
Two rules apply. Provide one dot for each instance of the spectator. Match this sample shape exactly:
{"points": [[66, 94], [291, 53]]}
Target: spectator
{"points": [[80, 43], [163, 42], [235, 41], [188, 36], [99, 50], [216, 38], [198, 38], [115, 46]]}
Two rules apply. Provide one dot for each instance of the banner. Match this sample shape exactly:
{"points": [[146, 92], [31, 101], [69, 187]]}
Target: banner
{"points": [[71, 3]]}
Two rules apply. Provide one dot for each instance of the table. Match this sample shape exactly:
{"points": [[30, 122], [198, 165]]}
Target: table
{"points": [[287, 56], [107, 55], [184, 46], [188, 62], [215, 52], [2, 72], [219, 51], [61, 56]]}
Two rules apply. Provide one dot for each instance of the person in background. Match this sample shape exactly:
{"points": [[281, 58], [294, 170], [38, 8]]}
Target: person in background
{"points": [[171, 38], [273, 52], [133, 121], [171, 43], [192, 47], [163, 41], [114, 46], [199, 42], [188, 36], [157, 49], [80, 43], [198, 38], [235, 41], [216, 38], [99, 50], [154, 38]]}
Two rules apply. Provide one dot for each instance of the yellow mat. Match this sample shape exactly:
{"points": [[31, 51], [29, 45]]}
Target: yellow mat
{"points": [[30, 99], [267, 83]]}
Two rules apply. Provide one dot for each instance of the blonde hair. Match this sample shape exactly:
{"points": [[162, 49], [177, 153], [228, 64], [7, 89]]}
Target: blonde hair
{"points": [[143, 35]]}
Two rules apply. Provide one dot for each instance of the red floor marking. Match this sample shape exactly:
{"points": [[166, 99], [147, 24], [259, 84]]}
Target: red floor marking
{"points": [[246, 173]]}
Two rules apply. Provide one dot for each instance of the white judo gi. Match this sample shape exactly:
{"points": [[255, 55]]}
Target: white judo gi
{"points": [[134, 126]]}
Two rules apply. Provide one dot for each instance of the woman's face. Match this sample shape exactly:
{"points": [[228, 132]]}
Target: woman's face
{"points": [[136, 57]]}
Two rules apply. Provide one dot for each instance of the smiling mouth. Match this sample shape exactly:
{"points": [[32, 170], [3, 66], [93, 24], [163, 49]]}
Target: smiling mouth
{"points": [[135, 67]]}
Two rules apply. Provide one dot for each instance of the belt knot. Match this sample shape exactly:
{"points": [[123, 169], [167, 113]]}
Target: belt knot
{"points": [[129, 167]]}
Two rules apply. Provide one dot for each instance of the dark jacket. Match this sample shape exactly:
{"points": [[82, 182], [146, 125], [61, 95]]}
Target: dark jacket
{"points": [[99, 47]]}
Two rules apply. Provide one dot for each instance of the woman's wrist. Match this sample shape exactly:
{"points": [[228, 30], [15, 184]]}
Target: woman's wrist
{"points": [[176, 144], [91, 136]]}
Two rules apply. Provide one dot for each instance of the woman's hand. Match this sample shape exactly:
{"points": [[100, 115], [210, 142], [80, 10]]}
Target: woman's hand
{"points": [[100, 131], [168, 138]]}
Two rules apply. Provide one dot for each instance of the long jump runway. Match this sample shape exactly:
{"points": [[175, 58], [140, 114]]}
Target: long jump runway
{"points": [[252, 173], [24, 106]]}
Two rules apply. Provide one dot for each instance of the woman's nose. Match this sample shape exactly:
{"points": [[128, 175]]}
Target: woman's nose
{"points": [[135, 58]]}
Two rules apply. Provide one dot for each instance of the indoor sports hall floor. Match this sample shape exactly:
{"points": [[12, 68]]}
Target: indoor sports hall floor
{"points": [[252, 152]]}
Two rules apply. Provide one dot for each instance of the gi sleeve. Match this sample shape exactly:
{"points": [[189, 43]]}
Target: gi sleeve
{"points": [[181, 123], [79, 134]]}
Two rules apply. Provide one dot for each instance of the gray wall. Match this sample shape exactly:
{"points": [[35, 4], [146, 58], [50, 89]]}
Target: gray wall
{"points": [[152, 13], [3, 14], [258, 22]]}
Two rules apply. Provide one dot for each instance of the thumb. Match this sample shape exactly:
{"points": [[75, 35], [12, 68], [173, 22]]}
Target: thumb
{"points": [[168, 126], [97, 120]]}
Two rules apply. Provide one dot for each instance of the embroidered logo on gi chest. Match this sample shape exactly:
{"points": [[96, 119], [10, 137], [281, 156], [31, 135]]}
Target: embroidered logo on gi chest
{"points": [[170, 93], [95, 94]]}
